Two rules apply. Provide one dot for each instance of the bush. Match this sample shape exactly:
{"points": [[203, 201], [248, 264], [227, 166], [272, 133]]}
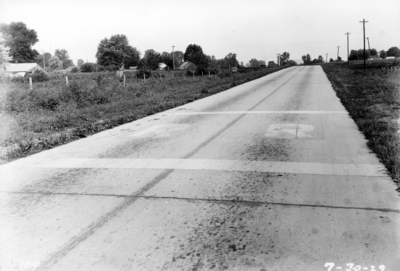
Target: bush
{"points": [[74, 70], [200, 70], [40, 76], [88, 67], [143, 72], [18, 79], [224, 74]]}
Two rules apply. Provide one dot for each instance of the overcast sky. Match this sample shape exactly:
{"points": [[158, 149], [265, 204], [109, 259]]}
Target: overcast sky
{"points": [[251, 29]]}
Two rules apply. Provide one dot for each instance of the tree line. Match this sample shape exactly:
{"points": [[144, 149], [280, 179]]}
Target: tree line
{"points": [[113, 53], [355, 55], [359, 54]]}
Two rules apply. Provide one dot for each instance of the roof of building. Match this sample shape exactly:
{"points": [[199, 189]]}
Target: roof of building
{"points": [[186, 65], [19, 67]]}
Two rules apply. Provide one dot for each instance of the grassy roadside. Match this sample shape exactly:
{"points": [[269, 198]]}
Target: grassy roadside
{"points": [[373, 101], [54, 114]]}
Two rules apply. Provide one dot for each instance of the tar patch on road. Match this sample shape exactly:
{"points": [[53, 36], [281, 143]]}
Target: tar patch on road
{"points": [[300, 131]]}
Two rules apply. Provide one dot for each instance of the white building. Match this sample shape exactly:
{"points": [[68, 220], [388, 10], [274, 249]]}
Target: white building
{"points": [[19, 69]]}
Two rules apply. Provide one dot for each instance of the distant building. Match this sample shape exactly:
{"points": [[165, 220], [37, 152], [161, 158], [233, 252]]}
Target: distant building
{"points": [[19, 69], [374, 57], [187, 66], [162, 66]]}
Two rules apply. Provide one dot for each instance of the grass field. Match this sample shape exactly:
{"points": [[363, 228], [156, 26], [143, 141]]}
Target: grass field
{"points": [[53, 114], [373, 100]]}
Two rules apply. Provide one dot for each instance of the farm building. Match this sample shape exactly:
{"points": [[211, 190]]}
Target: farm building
{"points": [[162, 66], [19, 69], [187, 66], [374, 57]]}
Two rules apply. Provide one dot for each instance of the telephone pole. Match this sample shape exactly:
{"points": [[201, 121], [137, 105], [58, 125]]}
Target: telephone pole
{"points": [[173, 57], [279, 59], [337, 59], [365, 62], [347, 46]]}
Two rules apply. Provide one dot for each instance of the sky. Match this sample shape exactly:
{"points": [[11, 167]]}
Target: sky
{"points": [[249, 28]]}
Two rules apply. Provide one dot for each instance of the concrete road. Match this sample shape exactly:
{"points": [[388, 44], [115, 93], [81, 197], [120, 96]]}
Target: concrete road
{"points": [[269, 175]]}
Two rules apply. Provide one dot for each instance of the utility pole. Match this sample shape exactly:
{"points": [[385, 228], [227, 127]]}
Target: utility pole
{"points": [[279, 59], [173, 57], [348, 46], [365, 62], [44, 63], [326, 58], [337, 59]]}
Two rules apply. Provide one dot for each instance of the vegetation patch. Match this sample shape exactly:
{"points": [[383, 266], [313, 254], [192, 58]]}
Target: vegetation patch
{"points": [[373, 101], [54, 113]]}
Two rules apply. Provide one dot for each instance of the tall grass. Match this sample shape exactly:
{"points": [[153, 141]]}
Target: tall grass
{"points": [[54, 113], [373, 101]]}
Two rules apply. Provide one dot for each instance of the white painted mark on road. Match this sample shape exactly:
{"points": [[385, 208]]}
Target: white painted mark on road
{"points": [[160, 131], [208, 164]]}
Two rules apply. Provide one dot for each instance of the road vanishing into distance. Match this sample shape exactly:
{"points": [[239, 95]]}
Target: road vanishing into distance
{"points": [[269, 175]]}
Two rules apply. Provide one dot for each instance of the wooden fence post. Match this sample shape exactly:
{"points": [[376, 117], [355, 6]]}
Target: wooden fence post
{"points": [[124, 80], [30, 83]]}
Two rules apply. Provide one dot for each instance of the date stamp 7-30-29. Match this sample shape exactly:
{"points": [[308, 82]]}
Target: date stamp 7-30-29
{"points": [[354, 267]]}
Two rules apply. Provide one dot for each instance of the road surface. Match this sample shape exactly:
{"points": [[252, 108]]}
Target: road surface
{"points": [[269, 175]]}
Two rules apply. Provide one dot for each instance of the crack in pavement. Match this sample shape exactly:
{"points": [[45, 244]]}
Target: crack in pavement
{"points": [[213, 200]]}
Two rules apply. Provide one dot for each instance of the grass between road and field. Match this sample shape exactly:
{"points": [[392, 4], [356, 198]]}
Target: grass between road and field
{"points": [[373, 101], [53, 114]]}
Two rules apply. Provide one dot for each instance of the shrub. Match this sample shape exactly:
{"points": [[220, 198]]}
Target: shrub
{"points": [[201, 70], [88, 67], [18, 79], [224, 74], [143, 72], [74, 70], [40, 76]]}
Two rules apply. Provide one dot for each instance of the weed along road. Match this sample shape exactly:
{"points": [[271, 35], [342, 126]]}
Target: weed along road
{"points": [[269, 175]]}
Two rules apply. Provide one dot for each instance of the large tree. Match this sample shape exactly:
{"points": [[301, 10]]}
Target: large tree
{"points": [[43, 60], [20, 40], [304, 58], [194, 53], [178, 58], [4, 51], [55, 63], [231, 60], [115, 51], [80, 62], [151, 59], [285, 58], [63, 55], [254, 63], [308, 59], [393, 51], [166, 58]]}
